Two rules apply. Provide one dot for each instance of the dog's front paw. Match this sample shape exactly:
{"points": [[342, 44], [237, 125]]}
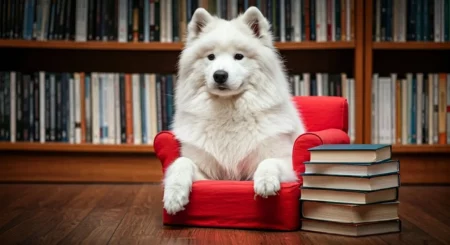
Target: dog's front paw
{"points": [[176, 196], [266, 185]]}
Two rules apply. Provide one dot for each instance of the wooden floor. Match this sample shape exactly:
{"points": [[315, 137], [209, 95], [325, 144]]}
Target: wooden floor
{"points": [[131, 214]]}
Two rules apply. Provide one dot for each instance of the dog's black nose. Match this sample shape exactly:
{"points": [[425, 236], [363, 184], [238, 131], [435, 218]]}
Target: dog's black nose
{"points": [[220, 76]]}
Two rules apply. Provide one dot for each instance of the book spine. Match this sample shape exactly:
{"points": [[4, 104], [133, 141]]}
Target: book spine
{"points": [[442, 108]]}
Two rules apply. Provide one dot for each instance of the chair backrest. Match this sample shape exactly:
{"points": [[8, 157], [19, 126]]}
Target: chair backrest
{"points": [[323, 112]]}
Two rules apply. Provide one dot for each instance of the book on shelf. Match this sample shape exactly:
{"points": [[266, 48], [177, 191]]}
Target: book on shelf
{"points": [[166, 20], [353, 203], [85, 107], [411, 20], [111, 108], [411, 108], [327, 84]]}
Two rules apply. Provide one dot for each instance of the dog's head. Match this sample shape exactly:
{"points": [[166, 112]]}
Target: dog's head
{"points": [[226, 58]]}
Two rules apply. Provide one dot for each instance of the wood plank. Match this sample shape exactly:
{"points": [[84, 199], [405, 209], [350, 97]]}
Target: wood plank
{"points": [[359, 72], [133, 214], [69, 216], [423, 168], [368, 69], [411, 45], [421, 149], [79, 167], [133, 168], [154, 46], [101, 223], [66, 147]]}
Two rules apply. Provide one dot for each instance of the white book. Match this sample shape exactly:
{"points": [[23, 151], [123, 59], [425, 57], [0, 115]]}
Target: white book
{"points": [[297, 20], [319, 77], [153, 119], [71, 121], [169, 21], [437, 20], [384, 109], [77, 108], [146, 21], [219, 9], [148, 112], [12, 118], [137, 130], [297, 84], [351, 85], [163, 21], [405, 109], [45, 5], [282, 25], [307, 83], [393, 107], [122, 25], [42, 106], [377, 20], [111, 109], [81, 20], [419, 105], [375, 106], [95, 107], [117, 108]]}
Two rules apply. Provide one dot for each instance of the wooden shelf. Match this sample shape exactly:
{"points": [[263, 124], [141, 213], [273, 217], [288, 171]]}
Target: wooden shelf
{"points": [[421, 148], [411, 46], [155, 46], [67, 147]]}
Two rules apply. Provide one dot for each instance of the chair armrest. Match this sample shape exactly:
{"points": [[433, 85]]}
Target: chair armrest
{"points": [[308, 140], [167, 148]]}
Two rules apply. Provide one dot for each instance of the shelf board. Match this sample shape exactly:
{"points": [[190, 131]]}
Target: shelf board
{"points": [[67, 147], [411, 46], [421, 148], [155, 46]]}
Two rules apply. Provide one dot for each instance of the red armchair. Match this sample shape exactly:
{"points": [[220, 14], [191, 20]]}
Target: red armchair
{"points": [[233, 204]]}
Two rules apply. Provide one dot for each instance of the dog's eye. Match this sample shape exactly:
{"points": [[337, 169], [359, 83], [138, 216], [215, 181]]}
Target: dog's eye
{"points": [[211, 57], [238, 56]]}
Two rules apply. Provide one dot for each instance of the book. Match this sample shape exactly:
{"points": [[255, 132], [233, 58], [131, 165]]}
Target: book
{"points": [[351, 153], [350, 213], [362, 183], [352, 168], [360, 229], [349, 196]]}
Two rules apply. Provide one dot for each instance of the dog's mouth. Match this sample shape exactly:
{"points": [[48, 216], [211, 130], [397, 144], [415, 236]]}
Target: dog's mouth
{"points": [[222, 88]]}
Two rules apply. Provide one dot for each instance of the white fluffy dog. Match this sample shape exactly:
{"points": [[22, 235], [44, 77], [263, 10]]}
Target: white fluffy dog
{"points": [[234, 115]]}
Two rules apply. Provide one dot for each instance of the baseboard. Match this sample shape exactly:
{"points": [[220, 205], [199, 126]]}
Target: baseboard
{"points": [[146, 168]]}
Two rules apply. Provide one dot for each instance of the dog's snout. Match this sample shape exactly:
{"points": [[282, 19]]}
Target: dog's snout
{"points": [[220, 76]]}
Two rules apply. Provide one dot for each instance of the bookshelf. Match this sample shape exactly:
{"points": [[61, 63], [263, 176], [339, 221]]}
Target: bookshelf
{"points": [[420, 162], [25, 161]]}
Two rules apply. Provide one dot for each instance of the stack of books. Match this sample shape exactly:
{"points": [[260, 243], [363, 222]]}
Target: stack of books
{"points": [[351, 189]]}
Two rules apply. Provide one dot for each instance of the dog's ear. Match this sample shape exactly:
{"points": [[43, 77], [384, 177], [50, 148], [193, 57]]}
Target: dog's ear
{"points": [[199, 20], [257, 22]]}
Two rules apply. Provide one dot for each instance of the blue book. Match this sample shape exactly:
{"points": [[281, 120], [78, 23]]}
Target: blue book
{"points": [[348, 182], [352, 168], [351, 153]]}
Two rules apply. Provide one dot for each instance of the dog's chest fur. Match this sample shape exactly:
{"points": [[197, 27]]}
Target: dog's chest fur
{"points": [[229, 142]]}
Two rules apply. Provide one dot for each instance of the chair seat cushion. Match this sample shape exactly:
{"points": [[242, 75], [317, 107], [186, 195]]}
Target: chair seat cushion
{"points": [[233, 204]]}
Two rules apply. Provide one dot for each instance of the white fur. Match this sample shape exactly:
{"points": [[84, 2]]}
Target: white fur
{"points": [[243, 133]]}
